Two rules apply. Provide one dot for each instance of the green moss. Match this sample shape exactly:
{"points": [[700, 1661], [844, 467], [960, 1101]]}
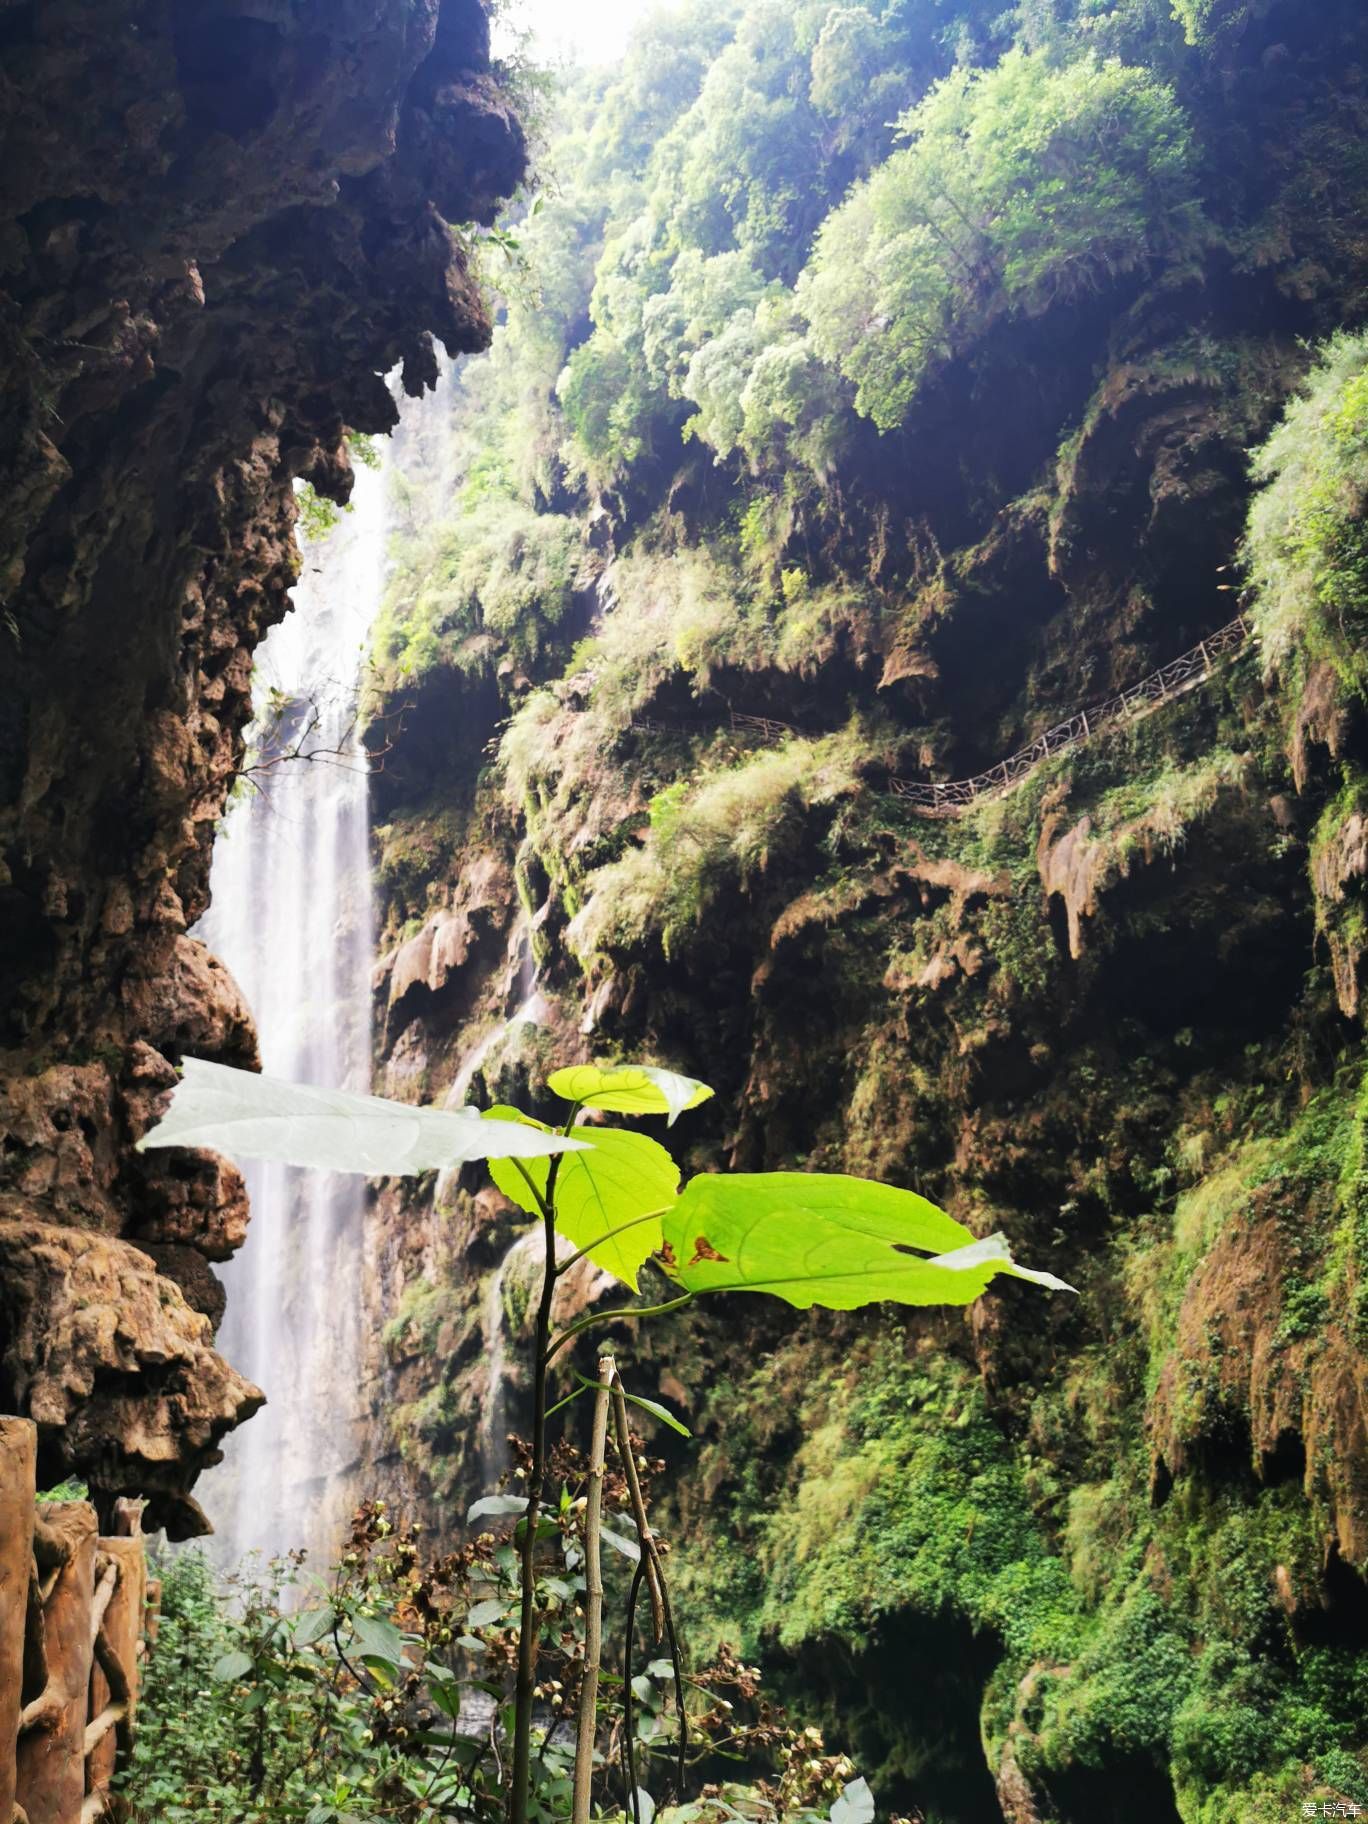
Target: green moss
{"points": [[496, 578], [903, 1499], [416, 1325], [861, 1492], [416, 853], [727, 829]]}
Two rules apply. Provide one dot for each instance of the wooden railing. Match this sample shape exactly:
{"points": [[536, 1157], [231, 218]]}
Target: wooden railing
{"points": [[73, 1626], [933, 798]]}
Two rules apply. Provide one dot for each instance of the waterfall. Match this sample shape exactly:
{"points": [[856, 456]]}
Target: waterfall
{"points": [[494, 1415], [291, 917], [524, 1256]]}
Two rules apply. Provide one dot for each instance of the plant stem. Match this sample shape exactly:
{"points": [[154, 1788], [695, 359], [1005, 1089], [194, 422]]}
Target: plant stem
{"points": [[519, 1790], [609, 1235], [593, 1597], [644, 1533], [616, 1315]]}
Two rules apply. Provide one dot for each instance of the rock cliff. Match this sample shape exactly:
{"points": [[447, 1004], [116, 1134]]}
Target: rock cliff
{"points": [[220, 226]]}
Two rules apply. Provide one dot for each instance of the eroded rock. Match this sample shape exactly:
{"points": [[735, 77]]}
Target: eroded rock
{"points": [[115, 1368]]}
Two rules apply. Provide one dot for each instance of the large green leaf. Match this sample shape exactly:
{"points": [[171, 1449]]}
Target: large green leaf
{"points": [[624, 1178], [629, 1089], [249, 1116], [820, 1239]]}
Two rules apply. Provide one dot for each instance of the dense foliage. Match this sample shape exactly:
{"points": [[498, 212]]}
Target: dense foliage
{"points": [[378, 1692], [1307, 547]]}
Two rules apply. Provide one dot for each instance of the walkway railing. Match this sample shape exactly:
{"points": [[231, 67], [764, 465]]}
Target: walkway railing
{"points": [[934, 798], [1175, 679], [73, 1609]]}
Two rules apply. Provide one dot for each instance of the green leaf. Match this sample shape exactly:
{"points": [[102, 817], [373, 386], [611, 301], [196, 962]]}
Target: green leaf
{"points": [[629, 1089], [816, 1238], [378, 1639], [232, 1666], [485, 1614], [602, 1195], [312, 1625], [496, 1504], [628, 1547], [855, 1805], [445, 1692], [249, 1116], [657, 1411]]}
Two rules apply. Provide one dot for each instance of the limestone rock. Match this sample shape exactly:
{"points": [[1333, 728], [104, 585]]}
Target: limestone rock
{"points": [[115, 1368], [1302, 1397]]}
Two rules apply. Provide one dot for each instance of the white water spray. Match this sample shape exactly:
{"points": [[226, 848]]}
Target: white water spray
{"points": [[292, 918]]}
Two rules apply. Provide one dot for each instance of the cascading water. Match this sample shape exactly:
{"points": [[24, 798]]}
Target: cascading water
{"points": [[291, 917]]}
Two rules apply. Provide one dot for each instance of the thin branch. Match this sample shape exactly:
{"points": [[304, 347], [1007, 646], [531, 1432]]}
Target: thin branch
{"points": [[520, 1786], [584, 1387], [628, 1719], [677, 1661], [593, 1596], [588, 1248], [644, 1533], [542, 1209]]}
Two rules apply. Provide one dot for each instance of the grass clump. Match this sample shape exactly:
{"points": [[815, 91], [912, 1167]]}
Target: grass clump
{"points": [[705, 839], [496, 580]]}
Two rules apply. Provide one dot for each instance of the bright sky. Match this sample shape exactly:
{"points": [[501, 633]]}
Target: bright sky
{"points": [[588, 31]]}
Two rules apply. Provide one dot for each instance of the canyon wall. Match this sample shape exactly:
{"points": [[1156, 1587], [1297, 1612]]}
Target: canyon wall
{"points": [[1075, 1559], [220, 227]]}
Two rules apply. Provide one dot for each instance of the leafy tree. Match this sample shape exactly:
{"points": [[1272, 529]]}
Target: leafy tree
{"points": [[1206, 20], [1019, 187]]}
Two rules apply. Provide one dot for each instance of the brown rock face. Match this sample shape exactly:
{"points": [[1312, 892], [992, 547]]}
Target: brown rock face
{"points": [[1293, 1402], [219, 225], [114, 1367]]}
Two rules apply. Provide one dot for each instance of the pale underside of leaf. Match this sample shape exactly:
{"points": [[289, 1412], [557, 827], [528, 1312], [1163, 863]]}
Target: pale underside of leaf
{"points": [[629, 1089], [608, 1201], [824, 1239], [248, 1116]]}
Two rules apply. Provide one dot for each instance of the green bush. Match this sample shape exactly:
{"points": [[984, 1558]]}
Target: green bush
{"points": [[1306, 549], [726, 831]]}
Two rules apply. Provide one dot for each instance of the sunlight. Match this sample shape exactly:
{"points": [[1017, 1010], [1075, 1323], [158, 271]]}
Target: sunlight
{"points": [[579, 31]]}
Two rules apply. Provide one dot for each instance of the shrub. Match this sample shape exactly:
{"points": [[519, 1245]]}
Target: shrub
{"points": [[1306, 548]]}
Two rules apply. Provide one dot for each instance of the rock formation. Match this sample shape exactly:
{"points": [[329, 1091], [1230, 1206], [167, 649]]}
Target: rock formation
{"points": [[220, 226]]}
